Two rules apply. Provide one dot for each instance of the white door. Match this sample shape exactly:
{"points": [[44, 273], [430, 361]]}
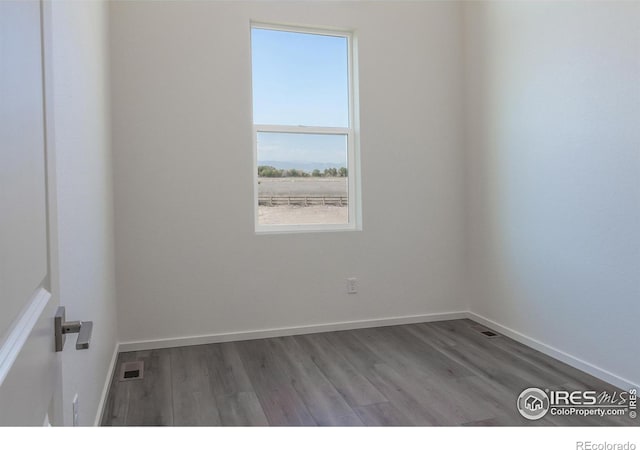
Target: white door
{"points": [[30, 371]]}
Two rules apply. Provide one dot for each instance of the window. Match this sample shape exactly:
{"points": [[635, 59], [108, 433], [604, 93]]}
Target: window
{"points": [[305, 143]]}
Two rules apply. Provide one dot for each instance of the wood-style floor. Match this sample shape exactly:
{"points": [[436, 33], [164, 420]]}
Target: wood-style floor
{"points": [[440, 373]]}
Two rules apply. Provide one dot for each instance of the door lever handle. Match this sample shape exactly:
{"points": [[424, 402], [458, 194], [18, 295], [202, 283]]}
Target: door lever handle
{"points": [[62, 328], [84, 336]]}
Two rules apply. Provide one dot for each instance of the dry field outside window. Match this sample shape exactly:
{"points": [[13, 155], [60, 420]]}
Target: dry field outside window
{"points": [[303, 200]]}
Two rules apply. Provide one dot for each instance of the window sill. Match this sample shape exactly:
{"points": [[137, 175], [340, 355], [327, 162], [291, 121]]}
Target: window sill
{"points": [[310, 228]]}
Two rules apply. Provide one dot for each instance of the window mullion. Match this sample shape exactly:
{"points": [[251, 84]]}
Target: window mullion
{"points": [[301, 129]]}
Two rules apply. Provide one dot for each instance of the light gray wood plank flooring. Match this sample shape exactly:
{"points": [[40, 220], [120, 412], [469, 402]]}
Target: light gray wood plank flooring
{"points": [[440, 373]]}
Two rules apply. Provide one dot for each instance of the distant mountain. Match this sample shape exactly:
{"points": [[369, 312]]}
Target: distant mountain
{"points": [[306, 166]]}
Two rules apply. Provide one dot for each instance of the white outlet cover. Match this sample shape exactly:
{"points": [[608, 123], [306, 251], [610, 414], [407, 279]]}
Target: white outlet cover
{"points": [[352, 285]]}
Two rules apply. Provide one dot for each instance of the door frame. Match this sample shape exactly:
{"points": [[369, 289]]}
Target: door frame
{"points": [[55, 413]]}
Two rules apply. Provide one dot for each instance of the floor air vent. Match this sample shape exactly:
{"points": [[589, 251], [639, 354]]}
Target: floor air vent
{"points": [[133, 370], [486, 331]]}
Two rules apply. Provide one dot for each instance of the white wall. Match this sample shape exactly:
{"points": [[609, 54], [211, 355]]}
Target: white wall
{"points": [[85, 199], [554, 174], [187, 259]]}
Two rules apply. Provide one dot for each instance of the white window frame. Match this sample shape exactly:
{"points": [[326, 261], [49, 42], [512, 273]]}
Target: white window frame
{"points": [[351, 132]]}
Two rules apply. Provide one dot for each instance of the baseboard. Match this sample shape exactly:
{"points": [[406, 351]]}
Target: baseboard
{"points": [[287, 331], [107, 385], [566, 358]]}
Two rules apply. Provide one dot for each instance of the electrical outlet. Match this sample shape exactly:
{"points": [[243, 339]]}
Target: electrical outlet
{"points": [[75, 410], [352, 285]]}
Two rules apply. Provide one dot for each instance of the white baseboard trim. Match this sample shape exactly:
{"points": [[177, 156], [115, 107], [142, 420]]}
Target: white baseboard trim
{"points": [[107, 385], [287, 331], [566, 358]]}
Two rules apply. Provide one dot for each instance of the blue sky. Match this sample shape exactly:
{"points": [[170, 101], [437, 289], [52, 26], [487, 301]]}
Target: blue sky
{"points": [[300, 79]]}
